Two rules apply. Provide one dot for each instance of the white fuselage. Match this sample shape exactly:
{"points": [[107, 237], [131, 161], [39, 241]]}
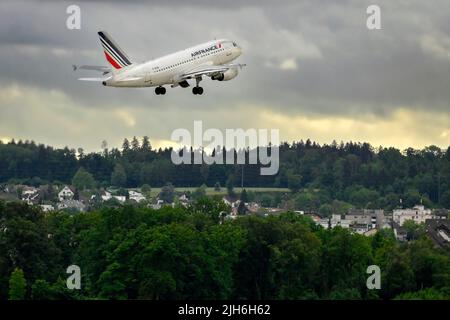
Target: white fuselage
{"points": [[167, 69]]}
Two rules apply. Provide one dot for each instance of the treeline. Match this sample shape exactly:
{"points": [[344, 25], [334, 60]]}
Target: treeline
{"points": [[190, 253], [352, 172]]}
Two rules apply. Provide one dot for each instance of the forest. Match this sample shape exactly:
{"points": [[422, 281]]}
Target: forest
{"points": [[192, 253], [354, 173]]}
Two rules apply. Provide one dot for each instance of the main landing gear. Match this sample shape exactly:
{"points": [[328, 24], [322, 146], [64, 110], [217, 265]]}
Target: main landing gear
{"points": [[197, 89], [160, 90]]}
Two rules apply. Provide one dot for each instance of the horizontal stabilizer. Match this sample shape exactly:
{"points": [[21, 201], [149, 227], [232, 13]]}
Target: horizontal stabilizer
{"points": [[95, 68], [93, 79]]}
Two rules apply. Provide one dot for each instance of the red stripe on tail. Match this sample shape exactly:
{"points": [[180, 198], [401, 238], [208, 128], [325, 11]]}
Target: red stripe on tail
{"points": [[111, 60]]}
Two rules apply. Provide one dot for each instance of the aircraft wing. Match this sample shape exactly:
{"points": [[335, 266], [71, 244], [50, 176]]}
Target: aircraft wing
{"points": [[208, 70], [103, 69]]}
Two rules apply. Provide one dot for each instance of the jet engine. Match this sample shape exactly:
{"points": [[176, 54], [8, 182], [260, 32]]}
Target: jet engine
{"points": [[227, 75]]}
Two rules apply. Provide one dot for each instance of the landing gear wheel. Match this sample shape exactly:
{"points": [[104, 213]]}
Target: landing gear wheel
{"points": [[160, 90], [197, 90]]}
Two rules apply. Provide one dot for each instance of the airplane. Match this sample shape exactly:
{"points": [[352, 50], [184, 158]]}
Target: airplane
{"points": [[210, 59]]}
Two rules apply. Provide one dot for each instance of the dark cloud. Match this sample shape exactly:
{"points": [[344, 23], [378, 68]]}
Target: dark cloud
{"points": [[305, 58]]}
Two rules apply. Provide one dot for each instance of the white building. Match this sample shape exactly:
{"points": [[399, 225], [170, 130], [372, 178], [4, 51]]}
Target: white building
{"points": [[47, 207], [121, 199], [136, 196], [66, 194], [107, 196], [337, 220], [418, 214], [183, 198], [30, 195], [72, 204]]}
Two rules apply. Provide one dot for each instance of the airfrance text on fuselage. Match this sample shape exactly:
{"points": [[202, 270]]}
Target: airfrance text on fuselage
{"points": [[212, 48]]}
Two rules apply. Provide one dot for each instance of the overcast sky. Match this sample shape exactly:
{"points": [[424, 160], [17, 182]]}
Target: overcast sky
{"points": [[313, 71]]}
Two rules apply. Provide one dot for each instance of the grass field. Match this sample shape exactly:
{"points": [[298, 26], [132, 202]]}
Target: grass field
{"points": [[223, 191]]}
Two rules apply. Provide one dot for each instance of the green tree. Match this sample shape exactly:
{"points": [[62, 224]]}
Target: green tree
{"points": [[294, 182], [200, 192], [242, 209], [17, 285], [326, 210], [167, 193], [244, 196], [230, 186], [146, 188], [146, 145], [445, 199], [83, 180], [119, 176], [42, 290], [413, 230]]}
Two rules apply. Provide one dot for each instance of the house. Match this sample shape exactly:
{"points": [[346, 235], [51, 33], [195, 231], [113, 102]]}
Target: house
{"points": [[47, 207], [339, 220], [136, 196], [66, 194], [253, 207], [106, 196], [418, 214], [370, 232], [231, 201], [439, 232], [374, 218], [399, 232], [121, 199], [325, 222], [314, 217], [441, 214], [362, 228], [30, 195], [158, 204], [357, 220], [183, 198], [72, 204]]}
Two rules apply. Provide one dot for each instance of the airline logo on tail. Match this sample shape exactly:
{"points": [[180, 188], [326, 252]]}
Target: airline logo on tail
{"points": [[115, 56]]}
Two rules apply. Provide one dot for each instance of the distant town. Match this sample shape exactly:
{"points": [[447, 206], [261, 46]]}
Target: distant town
{"points": [[434, 222]]}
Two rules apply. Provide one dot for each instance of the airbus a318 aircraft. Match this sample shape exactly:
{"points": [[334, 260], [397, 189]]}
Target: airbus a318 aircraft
{"points": [[211, 59]]}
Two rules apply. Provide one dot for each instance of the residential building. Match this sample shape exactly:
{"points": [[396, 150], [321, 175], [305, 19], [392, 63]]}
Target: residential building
{"points": [[439, 232], [418, 214], [374, 218], [66, 194], [72, 204], [30, 195], [121, 199], [136, 196], [47, 207], [106, 196]]}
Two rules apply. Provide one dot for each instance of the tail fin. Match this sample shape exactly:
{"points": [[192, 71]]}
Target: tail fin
{"points": [[113, 53]]}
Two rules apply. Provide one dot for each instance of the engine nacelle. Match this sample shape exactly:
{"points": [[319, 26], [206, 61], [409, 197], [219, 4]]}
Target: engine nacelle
{"points": [[227, 75]]}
